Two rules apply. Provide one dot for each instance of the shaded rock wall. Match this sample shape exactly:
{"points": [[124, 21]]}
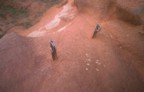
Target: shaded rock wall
{"points": [[109, 9]]}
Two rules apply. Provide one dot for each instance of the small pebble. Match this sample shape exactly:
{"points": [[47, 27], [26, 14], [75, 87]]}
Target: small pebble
{"points": [[88, 64], [86, 69], [99, 63], [86, 54], [97, 69], [89, 59], [127, 35], [97, 60], [104, 65]]}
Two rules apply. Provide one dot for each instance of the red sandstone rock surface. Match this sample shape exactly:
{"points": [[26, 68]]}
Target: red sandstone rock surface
{"points": [[111, 62]]}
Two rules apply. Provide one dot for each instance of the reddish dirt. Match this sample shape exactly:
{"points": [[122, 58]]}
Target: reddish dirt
{"points": [[111, 62]]}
